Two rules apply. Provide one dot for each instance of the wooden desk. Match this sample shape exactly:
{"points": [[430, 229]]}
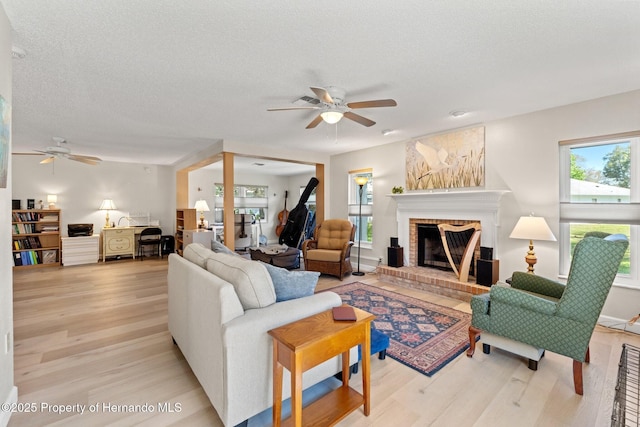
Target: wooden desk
{"points": [[118, 241], [308, 342]]}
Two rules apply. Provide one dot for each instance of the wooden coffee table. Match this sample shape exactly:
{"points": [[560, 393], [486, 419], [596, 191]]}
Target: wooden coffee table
{"points": [[308, 342]]}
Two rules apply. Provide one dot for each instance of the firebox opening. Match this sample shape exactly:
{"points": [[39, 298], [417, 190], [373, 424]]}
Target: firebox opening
{"points": [[431, 251]]}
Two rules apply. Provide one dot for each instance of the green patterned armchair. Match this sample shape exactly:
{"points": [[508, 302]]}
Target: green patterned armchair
{"points": [[549, 315]]}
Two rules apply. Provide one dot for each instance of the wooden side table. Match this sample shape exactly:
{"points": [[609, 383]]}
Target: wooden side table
{"points": [[308, 342]]}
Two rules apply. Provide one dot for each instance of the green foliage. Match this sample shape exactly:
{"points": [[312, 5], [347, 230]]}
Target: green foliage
{"points": [[617, 169], [578, 231], [577, 172]]}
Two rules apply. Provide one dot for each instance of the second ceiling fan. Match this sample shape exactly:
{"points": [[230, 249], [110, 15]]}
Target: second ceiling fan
{"points": [[330, 103]]}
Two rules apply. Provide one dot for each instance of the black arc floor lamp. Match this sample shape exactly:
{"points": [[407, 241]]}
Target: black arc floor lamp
{"points": [[361, 181]]}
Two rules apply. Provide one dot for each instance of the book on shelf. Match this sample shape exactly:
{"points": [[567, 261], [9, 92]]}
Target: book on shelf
{"points": [[23, 228]]}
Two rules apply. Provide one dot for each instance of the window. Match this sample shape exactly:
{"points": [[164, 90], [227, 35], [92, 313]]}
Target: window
{"points": [[247, 199], [599, 196], [311, 201], [364, 233]]}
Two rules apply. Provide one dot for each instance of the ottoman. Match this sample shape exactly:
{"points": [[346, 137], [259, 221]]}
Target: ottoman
{"points": [[379, 344], [285, 257]]}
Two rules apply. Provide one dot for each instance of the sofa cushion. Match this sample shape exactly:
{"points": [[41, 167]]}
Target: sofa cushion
{"points": [[197, 253], [292, 284], [333, 233], [324, 255], [249, 278]]}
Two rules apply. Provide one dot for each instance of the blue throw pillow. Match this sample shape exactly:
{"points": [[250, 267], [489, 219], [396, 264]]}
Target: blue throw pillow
{"points": [[220, 248], [292, 284]]}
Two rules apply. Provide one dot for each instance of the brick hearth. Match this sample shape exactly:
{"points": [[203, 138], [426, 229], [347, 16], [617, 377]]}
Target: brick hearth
{"points": [[430, 280]]}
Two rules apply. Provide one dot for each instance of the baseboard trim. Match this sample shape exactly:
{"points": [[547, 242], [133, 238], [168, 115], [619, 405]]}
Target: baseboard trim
{"points": [[615, 323], [12, 399]]}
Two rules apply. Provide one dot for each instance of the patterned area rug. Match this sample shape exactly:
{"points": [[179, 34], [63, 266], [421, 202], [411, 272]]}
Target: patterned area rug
{"points": [[423, 336]]}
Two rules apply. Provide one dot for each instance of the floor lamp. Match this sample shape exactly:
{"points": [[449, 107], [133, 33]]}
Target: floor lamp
{"points": [[361, 181]]}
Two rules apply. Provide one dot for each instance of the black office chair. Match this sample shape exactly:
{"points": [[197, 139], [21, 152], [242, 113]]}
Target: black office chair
{"points": [[151, 236]]}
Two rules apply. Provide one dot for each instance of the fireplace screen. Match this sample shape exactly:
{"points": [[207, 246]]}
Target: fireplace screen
{"points": [[431, 252]]}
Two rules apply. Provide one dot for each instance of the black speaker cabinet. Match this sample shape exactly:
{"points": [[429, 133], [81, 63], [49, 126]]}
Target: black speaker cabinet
{"points": [[394, 257], [488, 272], [486, 253]]}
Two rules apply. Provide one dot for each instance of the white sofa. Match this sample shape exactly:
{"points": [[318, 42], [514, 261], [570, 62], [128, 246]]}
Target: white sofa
{"points": [[220, 309]]}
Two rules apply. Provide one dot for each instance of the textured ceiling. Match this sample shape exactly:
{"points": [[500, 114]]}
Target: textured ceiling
{"points": [[151, 81]]}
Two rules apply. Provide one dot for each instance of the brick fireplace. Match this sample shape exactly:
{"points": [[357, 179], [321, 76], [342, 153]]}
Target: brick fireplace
{"points": [[455, 207]]}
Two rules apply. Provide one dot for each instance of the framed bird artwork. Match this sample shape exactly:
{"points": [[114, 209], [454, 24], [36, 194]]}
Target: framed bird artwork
{"points": [[451, 160]]}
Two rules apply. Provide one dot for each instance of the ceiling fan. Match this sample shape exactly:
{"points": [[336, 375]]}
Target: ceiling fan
{"points": [[330, 103], [60, 150]]}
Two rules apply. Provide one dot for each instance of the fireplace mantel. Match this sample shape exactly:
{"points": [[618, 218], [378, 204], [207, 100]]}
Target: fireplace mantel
{"points": [[480, 205]]}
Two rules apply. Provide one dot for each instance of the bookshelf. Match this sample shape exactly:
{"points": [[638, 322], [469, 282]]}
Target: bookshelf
{"points": [[35, 236], [185, 220]]}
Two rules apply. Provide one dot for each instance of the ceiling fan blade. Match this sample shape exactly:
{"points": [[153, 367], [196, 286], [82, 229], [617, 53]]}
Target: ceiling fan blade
{"points": [[47, 160], [80, 156], [90, 160], [358, 118], [83, 160], [314, 122], [292, 108], [372, 104], [323, 95]]}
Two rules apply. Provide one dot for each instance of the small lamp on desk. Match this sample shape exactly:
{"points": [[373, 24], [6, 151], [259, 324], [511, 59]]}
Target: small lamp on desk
{"points": [[107, 205], [532, 228], [202, 207]]}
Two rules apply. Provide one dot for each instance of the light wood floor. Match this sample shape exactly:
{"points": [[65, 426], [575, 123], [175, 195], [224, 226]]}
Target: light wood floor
{"points": [[98, 335]]}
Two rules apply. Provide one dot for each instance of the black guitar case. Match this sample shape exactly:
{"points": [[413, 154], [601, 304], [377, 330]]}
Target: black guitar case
{"points": [[297, 218]]}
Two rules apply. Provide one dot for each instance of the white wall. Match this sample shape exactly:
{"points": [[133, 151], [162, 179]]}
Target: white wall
{"points": [[8, 391], [81, 188], [388, 163], [521, 156]]}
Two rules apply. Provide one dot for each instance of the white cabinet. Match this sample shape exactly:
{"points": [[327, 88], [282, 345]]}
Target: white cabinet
{"points": [[198, 236], [118, 241], [80, 250]]}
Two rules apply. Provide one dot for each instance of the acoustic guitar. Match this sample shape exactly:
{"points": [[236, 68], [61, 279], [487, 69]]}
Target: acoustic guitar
{"points": [[282, 216]]}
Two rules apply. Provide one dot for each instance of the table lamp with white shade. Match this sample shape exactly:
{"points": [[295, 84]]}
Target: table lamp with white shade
{"points": [[532, 228], [202, 207], [107, 205], [52, 199]]}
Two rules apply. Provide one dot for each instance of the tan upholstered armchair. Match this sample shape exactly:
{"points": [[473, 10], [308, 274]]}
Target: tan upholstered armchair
{"points": [[329, 251]]}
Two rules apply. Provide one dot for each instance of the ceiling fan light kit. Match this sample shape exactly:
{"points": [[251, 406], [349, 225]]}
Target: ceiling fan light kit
{"points": [[331, 117], [330, 103]]}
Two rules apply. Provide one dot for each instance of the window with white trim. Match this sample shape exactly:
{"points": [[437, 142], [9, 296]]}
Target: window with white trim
{"points": [[599, 195], [247, 199], [365, 232]]}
